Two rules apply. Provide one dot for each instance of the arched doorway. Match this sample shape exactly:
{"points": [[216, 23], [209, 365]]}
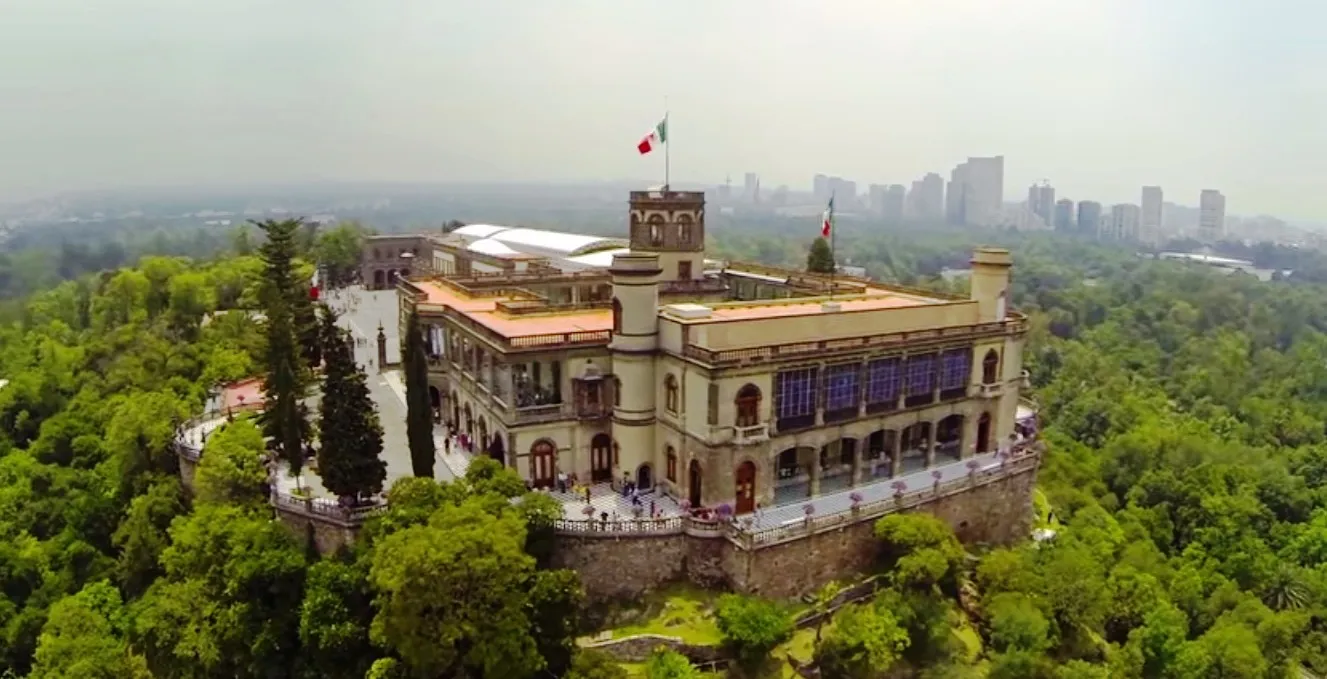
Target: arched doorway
{"points": [[498, 450], [694, 481], [543, 463], [601, 458], [481, 439], [379, 279], [878, 457], [469, 423], [949, 439], [644, 477], [916, 443], [793, 475], [435, 397], [456, 411], [984, 433], [746, 487], [836, 463]]}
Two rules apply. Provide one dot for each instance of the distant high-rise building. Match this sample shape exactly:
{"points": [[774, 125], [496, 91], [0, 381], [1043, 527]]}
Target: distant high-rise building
{"points": [[844, 192], [751, 187], [1041, 201], [926, 198], [1089, 217], [976, 192], [820, 187], [1124, 219], [895, 195], [1150, 225], [1064, 215], [1211, 216], [875, 197]]}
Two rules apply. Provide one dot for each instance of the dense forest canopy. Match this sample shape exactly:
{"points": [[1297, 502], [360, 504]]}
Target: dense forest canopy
{"points": [[1184, 409]]}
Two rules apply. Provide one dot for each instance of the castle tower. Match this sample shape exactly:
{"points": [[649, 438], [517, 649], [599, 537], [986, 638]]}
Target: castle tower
{"points": [[990, 282], [990, 289], [670, 224], [635, 339]]}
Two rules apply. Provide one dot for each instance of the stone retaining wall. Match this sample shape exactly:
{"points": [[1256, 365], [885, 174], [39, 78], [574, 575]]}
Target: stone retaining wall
{"points": [[626, 567], [637, 648]]}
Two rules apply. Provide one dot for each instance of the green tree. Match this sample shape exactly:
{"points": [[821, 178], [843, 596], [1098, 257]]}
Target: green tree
{"points": [[419, 409], [820, 259], [338, 252], [284, 419], [84, 639], [474, 561], [919, 550], [334, 619], [231, 470], [864, 641], [350, 450], [666, 664], [752, 627], [1017, 624], [592, 664]]}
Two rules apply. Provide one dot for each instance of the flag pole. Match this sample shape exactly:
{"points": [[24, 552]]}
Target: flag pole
{"points": [[833, 254], [667, 144]]}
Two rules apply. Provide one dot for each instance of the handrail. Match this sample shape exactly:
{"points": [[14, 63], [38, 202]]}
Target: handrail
{"points": [[326, 508], [748, 539], [910, 339]]}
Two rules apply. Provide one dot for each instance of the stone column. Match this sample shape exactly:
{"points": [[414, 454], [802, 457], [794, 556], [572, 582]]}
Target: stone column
{"points": [[859, 451], [815, 472], [893, 451], [930, 446]]}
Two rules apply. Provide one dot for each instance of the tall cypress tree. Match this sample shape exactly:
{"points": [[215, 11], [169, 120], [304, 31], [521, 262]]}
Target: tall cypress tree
{"points": [[285, 419], [419, 410], [350, 454]]}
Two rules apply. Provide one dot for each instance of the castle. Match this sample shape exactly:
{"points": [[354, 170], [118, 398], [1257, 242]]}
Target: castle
{"points": [[721, 384]]}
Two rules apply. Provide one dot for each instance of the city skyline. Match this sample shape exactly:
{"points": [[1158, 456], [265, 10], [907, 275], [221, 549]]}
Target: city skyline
{"points": [[147, 92]]}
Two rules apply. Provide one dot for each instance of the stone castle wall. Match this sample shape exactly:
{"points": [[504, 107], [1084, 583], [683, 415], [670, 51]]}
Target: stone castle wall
{"points": [[628, 566]]}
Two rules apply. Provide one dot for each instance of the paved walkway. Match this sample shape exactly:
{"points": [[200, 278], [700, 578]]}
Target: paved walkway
{"points": [[604, 499]]}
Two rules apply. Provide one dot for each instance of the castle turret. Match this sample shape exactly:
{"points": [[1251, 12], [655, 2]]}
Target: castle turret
{"points": [[670, 224], [635, 339], [990, 283]]}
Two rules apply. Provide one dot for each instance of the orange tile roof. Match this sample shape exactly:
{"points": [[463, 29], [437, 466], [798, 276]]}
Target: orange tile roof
{"points": [[484, 311]]}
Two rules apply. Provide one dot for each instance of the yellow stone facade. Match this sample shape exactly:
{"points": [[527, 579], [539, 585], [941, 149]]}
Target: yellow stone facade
{"points": [[666, 386]]}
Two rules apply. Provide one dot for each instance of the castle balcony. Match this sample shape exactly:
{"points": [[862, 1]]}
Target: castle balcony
{"points": [[993, 390], [740, 436], [539, 414]]}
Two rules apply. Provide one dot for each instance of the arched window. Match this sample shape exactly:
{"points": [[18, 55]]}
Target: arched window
{"points": [[670, 393], [684, 230], [748, 406], [671, 456], [990, 367], [617, 316], [656, 223], [617, 391]]}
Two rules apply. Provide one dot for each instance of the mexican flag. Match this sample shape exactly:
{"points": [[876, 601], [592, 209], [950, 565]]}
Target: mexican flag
{"points": [[656, 137], [827, 220]]}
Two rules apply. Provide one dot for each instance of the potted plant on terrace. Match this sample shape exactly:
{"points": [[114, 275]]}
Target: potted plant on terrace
{"points": [[899, 488], [809, 510]]}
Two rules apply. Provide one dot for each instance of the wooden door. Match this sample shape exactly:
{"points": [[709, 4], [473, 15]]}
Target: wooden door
{"points": [[543, 463], [746, 487], [601, 458]]}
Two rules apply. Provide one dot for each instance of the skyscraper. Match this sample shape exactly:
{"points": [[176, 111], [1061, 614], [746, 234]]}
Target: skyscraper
{"points": [[1150, 228], [1041, 201], [926, 199], [1124, 219], [1089, 217], [1064, 215], [892, 207], [1211, 216], [976, 192]]}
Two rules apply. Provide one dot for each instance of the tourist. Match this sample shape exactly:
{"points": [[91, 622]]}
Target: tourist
{"points": [[447, 446]]}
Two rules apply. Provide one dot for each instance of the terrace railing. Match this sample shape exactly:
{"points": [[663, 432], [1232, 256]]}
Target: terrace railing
{"points": [[319, 508]]}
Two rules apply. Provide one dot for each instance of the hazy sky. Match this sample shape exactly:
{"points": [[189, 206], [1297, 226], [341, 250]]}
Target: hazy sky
{"points": [[1099, 96]]}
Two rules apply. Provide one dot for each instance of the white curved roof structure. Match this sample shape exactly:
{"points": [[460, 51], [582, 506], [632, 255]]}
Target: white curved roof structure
{"points": [[479, 230], [537, 241], [601, 259], [493, 248]]}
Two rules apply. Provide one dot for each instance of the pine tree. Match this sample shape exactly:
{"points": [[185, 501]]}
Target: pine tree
{"points": [[350, 455], [305, 318], [419, 409], [820, 259], [285, 418]]}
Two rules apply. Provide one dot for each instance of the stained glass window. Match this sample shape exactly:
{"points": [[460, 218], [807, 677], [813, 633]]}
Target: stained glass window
{"points": [[796, 395], [920, 374], [882, 380], [955, 369], [841, 386]]}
